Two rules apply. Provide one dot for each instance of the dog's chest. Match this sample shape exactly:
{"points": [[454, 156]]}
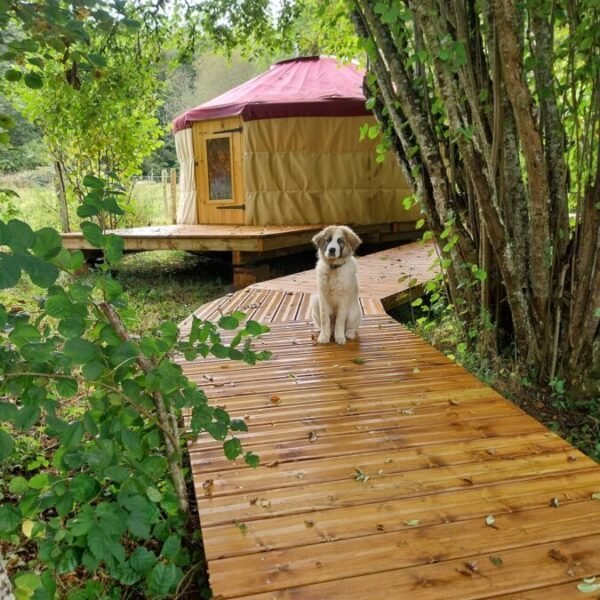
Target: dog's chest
{"points": [[337, 284]]}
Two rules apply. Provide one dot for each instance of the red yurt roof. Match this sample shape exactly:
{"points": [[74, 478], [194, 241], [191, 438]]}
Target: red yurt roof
{"points": [[299, 87]]}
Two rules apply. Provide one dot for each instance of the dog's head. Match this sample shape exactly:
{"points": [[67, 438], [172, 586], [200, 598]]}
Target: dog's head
{"points": [[335, 242]]}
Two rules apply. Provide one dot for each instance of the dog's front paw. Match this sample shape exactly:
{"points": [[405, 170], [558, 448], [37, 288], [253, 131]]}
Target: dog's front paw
{"points": [[323, 338], [340, 339], [351, 334]]}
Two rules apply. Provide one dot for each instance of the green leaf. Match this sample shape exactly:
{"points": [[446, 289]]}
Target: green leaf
{"points": [[153, 494], [252, 459], [419, 223], [13, 75], [72, 435], [589, 586], [26, 585], [47, 243], [93, 182], [92, 233], [10, 518], [171, 547], [66, 388], [131, 24], [6, 444], [232, 448], [40, 272], [10, 270], [34, 81], [80, 351], [162, 579], [8, 411], [41, 481], [67, 562], [113, 247], [24, 333], [255, 328], [18, 485], [58, 306], [228, 322], [84, 487], [373, 132], [238, 425], [72, 327], [142, 560]]}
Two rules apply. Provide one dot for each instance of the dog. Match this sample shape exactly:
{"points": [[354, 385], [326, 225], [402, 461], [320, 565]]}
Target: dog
{"points": [[335, 307]]}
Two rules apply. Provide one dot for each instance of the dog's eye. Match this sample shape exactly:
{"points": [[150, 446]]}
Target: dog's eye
{"points": [[341, 241], [328, 240]]}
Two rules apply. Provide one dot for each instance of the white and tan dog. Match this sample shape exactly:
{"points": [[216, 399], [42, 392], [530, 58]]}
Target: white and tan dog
{"points": [[336, 306]]}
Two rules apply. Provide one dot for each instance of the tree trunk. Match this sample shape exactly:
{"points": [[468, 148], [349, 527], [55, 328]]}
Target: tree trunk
{"points": [[61, 195]]}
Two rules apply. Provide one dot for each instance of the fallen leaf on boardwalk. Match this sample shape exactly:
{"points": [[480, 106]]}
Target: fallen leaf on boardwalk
{"points": [[361, 476], [275, 398], [490, 521], [554, 502], [596, 496], [453, 402], [291, 375], [412, 522], [472, 566], [557, 555], [272, 464], [265, 503], [380, 527], [358, 361], [491, 451], [313, 437], [299, 475], [388, 460], [207, 486], [308, 523], [571, 458], [253, 501], [468, 480], [242, 527], [223, 366], [416, 370], [407, 411], [496, 560], [571, 571], [318, 565], [589, 585]]}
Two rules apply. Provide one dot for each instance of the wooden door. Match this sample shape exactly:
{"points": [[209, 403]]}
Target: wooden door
{"points": [[219, 180]]}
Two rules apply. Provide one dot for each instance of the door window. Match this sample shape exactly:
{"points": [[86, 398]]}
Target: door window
{"points": [[220, 180]]}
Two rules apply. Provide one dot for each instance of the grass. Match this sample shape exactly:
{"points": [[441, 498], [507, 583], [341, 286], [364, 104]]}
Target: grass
{"points": [[37, 203]]}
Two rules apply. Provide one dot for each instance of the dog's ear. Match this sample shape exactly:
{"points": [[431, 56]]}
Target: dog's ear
{"points": [[351, 238], [319, 237]]}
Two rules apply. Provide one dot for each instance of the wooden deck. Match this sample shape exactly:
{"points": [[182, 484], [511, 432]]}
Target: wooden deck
{"points": [[387, 471]]}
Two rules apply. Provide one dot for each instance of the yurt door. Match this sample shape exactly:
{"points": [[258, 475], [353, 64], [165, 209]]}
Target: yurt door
{"points": [[219, 171]]}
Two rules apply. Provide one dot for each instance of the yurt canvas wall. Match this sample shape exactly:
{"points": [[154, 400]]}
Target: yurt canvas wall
{"points": [[316, 170]]}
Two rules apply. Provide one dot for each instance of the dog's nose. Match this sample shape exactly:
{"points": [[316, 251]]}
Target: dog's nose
{"points": [[331, 251]]}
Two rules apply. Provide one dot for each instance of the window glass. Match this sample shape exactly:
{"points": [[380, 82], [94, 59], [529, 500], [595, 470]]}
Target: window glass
{"points": [[218, 153]]}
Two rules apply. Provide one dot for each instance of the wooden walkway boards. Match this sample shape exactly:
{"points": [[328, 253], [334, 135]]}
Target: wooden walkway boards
{"points": [[387, 471]]}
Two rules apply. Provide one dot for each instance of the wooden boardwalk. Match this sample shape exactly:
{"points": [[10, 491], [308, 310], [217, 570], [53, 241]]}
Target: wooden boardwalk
{"points": [[387, 471]]}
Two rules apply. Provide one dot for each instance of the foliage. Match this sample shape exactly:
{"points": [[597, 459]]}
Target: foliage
{"points": [[106, 124], [113, 500], [453, 87]]}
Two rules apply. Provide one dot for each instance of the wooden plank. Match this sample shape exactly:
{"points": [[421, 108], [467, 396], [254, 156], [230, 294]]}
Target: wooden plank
{"points": [[231, 477], [523, 568], [382, 488], [469, 540], [356, 522]]}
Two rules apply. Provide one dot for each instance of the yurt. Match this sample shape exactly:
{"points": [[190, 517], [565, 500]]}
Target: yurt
{"points": [[284, 149]]}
